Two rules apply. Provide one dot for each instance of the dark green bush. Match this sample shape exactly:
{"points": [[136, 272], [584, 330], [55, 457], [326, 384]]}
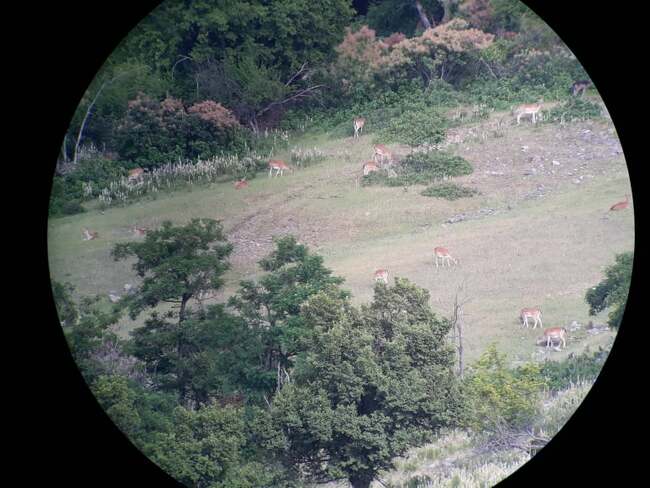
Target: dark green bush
{"points": [[574, 109], [420, 169], [449, 191], [559, 375]]}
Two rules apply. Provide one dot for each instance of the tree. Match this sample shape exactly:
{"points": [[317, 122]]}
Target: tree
{"points": [[65, 306], [372, 383], [613, 290], [272, 306], [176, 264], [502, 403]]}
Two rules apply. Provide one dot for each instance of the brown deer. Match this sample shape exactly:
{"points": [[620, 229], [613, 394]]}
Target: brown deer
{"points": [[555, 333], [241, 184], [358, 125], [139, 231], [621, 205], [443, 254], [580, 87], [531, 109], [381, 275], [369, 167], [533, 313], [279, 167], [135, 174], [381, 153]]}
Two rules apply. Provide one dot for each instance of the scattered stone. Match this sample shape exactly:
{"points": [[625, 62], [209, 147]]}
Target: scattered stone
{"points": [[113, 298]]}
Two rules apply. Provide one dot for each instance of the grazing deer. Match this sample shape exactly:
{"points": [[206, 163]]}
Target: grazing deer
{"points": [[135, 174], [555, 333], [89, 235], [443, 253], [279, 167], [621, 205], [381, 153], [580, 87], [369, 167], [533, 313], [241, 184], [531, 109], [139, 231], [381, 275], [358, 125]]}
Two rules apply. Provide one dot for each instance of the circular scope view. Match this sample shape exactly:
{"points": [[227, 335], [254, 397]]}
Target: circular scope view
{"points": [[306, 243]]}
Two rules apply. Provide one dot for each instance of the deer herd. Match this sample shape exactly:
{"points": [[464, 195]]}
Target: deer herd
{"points": [[441, 256]]}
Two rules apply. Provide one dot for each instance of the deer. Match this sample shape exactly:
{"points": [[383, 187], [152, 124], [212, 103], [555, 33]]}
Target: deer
{"points": [[241, 184], [359, 122], [555, 333], [135, 174], [381, 275], [533, 313], [139, 231], [443, 253], [369, 167], [620, 205], [531, 109], [279, 167], [381, 153], [89, 235], [580, 87]]}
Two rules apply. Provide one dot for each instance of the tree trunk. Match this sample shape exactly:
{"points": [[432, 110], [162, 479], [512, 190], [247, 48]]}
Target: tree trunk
{"points": [[423, 15]]}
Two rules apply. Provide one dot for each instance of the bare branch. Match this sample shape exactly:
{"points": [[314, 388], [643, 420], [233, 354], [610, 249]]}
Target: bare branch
{"points": [[300, 94]]}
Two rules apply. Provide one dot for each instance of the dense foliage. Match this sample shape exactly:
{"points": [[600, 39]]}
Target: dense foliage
{"points": [[448, 191], [611, 293]]}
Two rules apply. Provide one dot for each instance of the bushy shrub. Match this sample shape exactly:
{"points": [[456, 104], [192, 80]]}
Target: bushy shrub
{"points": [[560, 375], [449, 191], [420, 168], [574, 109], [414, 127]]}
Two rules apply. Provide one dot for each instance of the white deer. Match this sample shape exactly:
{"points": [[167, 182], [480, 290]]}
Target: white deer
{"points": [[531, 109]]}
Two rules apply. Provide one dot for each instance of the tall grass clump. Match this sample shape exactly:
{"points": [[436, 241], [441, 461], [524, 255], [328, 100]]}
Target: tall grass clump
{"points": [[173, 176], [449, 191], [574, 109], [306, 157]]}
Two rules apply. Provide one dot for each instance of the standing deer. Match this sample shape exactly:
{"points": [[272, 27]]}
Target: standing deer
{"points": [[279, 167], [381, 153], [443, 254], [531, 109], [533, 313], [135, 174], [358, 125], [369, 167], [621, 205], [89, 235], [580, 87], [555, 333], [381, 275]]}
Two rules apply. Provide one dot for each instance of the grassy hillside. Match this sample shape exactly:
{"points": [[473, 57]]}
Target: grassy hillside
{"points": [[538, 234]]}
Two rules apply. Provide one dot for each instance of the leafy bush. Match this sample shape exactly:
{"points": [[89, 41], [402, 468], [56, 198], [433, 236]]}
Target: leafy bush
{"points": [[449, 191], [574, 109], [499, 396], [612, 291], [414, 127], [559, 375], [421, 168]]}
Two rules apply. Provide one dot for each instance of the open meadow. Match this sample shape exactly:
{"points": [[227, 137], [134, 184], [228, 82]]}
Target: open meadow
{"points": [[538, 233]]}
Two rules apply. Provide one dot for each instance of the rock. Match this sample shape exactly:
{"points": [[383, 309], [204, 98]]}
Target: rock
{"points": [[113, 298], [556, 163]]}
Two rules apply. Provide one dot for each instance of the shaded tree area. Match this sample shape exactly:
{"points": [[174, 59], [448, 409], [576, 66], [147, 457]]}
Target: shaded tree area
{"points": [[611, 293]]}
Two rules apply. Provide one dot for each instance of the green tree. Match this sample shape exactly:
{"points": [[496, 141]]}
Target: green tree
{"points": [[613, 290], [65, 306], [501, 401], [371, 384], [272, 306], [177, 264]]}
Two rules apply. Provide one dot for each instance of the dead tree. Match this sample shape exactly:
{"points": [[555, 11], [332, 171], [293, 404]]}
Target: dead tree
{"points": [[457, 322]]}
